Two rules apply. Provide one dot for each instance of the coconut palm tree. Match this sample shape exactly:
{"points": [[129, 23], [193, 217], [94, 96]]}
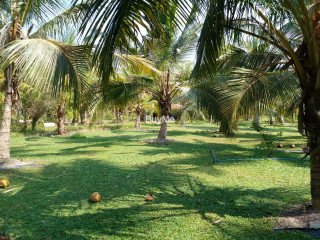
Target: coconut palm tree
{"points": [[246, 80], [39, 61], [292, 27]]}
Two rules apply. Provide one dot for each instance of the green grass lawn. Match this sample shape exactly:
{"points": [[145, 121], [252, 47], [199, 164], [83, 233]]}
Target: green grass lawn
{"points": [[192, 193]]}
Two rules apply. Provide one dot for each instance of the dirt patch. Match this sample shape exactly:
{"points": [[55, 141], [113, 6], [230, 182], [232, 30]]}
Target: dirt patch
{"points": [[300, 217], [159, 141], [18, 164]]}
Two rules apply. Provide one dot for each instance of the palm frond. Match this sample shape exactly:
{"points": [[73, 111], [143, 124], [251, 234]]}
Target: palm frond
{"points": [[43, 63], [62, 23]]}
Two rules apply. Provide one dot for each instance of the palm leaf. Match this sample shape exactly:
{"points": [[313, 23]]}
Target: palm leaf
{"points": [[43, 63]]}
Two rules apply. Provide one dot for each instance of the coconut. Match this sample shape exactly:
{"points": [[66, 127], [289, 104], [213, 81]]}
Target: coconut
{"points": [[149, 198], [4, 183], [280, 145], [95, 197], [293, 146]]}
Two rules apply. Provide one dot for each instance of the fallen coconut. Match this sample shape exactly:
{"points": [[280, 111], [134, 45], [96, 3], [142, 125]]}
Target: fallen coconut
{"points": [[95, 197], [292, 146], [4, 183], [149, 198], [280, 145]]}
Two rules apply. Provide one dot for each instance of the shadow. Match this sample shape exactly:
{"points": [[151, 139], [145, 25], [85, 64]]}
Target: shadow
{"points": [[53, 204]]}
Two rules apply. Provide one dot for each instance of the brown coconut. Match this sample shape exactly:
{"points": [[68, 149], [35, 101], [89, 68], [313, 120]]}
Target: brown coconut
{"points": [[292, 146], [280, 145], [95, 197], [4, 183], [149, 198]]}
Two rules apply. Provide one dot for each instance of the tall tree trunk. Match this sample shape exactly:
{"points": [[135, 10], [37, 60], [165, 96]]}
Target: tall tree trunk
{"points": [[256, 120], [5, 129], [6, 119], [311, 120], [61, 118], [138, 120]]}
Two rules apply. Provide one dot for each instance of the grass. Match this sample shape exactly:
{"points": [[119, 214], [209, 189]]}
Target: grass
{"points": [[192, 193]]}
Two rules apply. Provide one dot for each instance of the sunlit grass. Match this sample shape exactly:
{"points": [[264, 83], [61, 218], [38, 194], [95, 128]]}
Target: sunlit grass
{"points": [[195, 198]]}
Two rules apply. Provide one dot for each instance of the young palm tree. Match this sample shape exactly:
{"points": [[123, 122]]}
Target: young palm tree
{"points": [[39, 61]]}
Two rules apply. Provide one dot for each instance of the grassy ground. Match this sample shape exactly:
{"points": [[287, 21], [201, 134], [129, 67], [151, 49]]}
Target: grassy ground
{"points": [[192, 193]]}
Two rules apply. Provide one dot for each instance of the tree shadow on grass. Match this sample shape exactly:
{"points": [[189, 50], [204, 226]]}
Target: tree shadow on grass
{"points": [[225, 153], [52, 203]]}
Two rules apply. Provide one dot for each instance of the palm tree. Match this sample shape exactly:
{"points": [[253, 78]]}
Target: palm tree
{"points": [[39, 61], [246, 80], [289, 26], [34, 104], [292, 28]]}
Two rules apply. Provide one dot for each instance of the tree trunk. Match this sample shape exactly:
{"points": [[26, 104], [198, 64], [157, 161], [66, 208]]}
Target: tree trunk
{"points": [[311, 120], [118, 116], [6, 119], [163, 129], [25, 121], [184, 119], [61, 118], [271, 119], [144, 117], [315, 178], [227, 128], [34, 123], [301, 127], [138, 120], [75, 117], [256, 120], [83, 119], [165, 107]]}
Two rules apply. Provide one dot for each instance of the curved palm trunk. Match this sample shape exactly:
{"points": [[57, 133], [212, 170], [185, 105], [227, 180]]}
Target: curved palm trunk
{"points": [[6, 119], [61, 118]]}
